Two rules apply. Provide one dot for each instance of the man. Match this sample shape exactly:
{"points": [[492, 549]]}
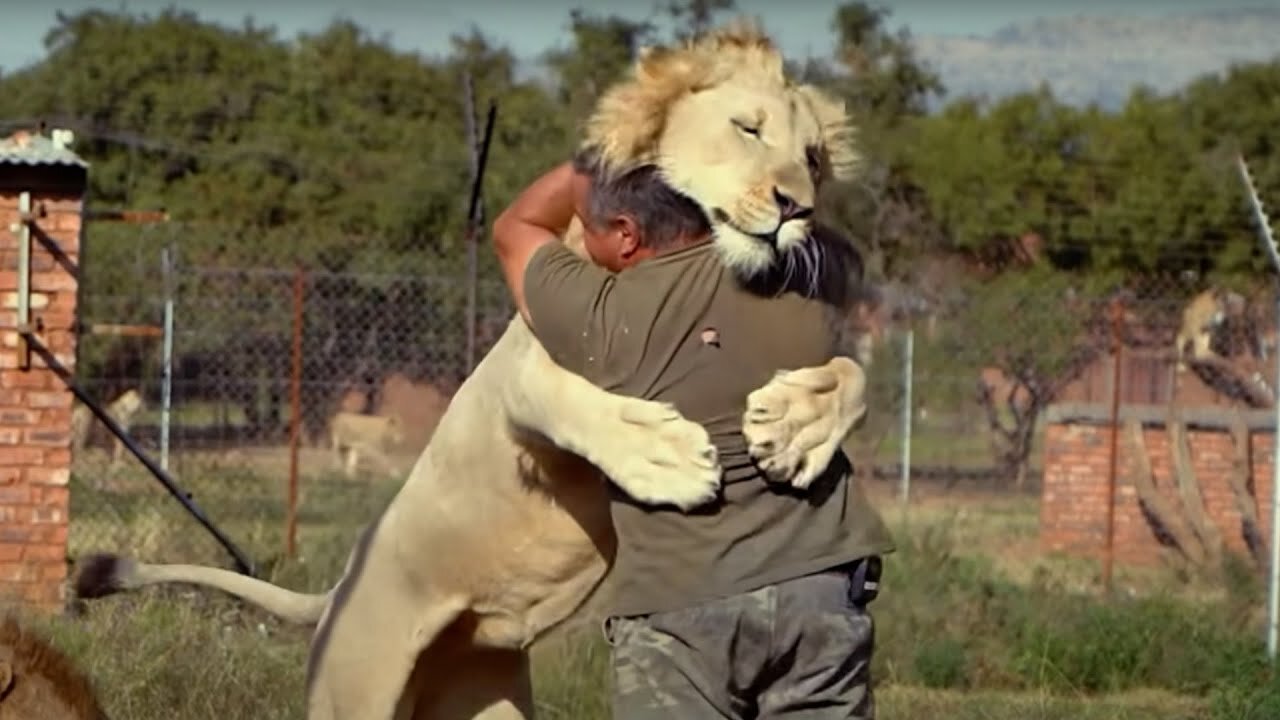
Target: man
{"points": [[755, 606]]}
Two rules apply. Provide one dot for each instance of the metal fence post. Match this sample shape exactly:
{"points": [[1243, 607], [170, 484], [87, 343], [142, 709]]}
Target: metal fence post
{"points": [[908, 376], [1273, 584], [1117, 360], [295, 417], [166, 375]]}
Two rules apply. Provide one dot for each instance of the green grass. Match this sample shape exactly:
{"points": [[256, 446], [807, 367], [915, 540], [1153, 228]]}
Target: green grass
{"points": [[972, 621], [168, 655], [126, 509]]}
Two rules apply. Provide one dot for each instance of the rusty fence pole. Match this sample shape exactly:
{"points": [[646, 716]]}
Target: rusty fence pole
{"points": [[295, 417], [1116, 317]]}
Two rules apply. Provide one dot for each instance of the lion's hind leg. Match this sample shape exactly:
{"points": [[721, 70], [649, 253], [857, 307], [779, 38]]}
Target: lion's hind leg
{"points": [[366, 649], [455, 679], [352, 461]]}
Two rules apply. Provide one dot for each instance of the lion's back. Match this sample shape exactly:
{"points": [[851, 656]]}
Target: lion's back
{"points": [[357, 428]]}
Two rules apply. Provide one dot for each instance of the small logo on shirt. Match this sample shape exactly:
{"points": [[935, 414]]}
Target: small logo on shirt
{"points": [[711, 336]]}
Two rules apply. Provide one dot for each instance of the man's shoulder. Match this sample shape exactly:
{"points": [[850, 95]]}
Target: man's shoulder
{"points": [[554, 270], [549, 256], [562, 291]]}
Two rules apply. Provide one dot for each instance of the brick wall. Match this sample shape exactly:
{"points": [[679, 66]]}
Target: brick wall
{"points": [[35, 405], [1074, 496]]}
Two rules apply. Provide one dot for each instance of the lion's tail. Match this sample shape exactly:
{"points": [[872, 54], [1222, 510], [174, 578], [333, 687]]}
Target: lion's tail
{"points": [[105, 574]]}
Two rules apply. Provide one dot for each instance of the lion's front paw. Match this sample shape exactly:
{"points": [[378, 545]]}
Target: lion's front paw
{"points": [[796, 423], [657, 456]]}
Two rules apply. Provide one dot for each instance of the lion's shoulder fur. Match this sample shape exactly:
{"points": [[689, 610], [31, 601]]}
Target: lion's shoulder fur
{"points": [[31, 655]]}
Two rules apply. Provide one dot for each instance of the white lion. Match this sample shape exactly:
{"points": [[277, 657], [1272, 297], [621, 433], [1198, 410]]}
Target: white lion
{"points": [[502, 529], [122, 410], [354, 434]]}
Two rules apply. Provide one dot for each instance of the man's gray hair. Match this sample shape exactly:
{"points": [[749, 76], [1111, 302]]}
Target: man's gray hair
{"points": [[664, 216]]}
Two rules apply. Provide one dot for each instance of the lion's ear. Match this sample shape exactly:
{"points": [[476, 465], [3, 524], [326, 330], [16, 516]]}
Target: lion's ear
{"points": [[837, 132]]}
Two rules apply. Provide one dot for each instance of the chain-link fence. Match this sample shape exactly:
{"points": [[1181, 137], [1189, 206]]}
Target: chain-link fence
{"points": [[980, 369], [963, 391], [257, 356], [241, 372]]}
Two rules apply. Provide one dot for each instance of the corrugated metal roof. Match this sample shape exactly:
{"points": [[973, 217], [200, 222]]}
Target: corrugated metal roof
{"points": [[24, 148]]}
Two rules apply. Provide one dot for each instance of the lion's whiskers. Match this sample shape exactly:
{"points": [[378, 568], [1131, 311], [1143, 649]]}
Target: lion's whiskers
{"points": [[819, 258], [788, 268]]}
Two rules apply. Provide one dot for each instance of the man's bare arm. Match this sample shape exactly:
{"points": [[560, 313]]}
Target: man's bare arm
{"points": [[538, 216]]}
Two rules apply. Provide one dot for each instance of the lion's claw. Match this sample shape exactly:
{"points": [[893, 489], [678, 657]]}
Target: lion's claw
{"points": [[795, 424], [658, 457]]}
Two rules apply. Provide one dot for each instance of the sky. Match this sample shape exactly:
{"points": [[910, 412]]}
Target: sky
{"points": [[801, 27]]}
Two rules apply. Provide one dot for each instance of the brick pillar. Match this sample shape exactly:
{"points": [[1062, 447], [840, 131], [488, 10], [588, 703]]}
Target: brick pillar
{"points": [[35, 404]]}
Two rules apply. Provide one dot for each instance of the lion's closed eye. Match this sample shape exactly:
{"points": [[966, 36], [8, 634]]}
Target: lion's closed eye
{"points": [[746, 127]]}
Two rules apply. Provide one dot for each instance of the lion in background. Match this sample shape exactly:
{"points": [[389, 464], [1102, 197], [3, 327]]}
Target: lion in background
{"points": [[37, 681], [122, 409], [502, 529], [353, 434], [1201, 319]]}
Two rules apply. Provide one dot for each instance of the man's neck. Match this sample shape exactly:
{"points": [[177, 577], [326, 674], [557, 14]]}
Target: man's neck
{"points": [[684, 242]]}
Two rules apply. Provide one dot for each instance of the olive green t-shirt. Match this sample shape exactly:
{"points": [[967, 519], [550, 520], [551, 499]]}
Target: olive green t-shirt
{"points": [[680, 328]]}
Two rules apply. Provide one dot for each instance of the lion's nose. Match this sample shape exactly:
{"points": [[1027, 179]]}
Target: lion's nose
{"points": [[788, 208]]}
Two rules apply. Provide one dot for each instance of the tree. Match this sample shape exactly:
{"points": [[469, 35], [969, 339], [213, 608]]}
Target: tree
{"points": [[994, 175], [691, 18], [1033, 327], [333, 150], [886, 87], [603, 50], [1237, 112]]}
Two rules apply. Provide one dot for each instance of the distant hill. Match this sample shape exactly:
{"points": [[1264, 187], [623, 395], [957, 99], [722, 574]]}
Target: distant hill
{"points": [[1100, 58]]}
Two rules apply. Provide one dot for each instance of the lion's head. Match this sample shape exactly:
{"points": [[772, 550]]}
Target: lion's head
{"points": [[728, 129]]}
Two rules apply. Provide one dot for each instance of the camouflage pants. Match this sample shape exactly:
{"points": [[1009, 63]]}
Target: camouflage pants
{"points": [[799, 650]]}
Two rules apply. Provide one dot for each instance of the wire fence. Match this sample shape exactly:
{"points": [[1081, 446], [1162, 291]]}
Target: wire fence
{"points": [[241, 372], [1136, 415], [979, 378]]}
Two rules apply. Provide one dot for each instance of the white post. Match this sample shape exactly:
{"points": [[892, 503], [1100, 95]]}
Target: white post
{"points": [[167, 372], [1273, 584], [907, 375]]}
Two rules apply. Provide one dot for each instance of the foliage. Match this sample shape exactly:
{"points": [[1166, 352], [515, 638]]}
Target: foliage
{"points": [[334, 151], [307, 136]]}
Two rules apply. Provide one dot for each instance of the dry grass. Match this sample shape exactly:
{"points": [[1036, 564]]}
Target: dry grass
{"points": [[177, 653], [1003, 528]]}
